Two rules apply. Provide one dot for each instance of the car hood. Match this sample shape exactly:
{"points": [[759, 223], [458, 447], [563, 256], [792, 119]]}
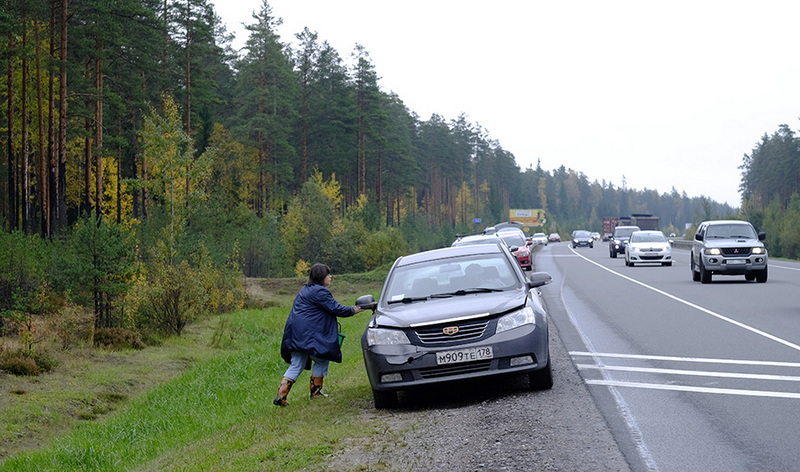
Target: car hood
{"points": [[744, 242], [439, 310]]}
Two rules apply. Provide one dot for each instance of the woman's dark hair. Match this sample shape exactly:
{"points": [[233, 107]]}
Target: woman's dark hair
{"points": [[317, 274]]}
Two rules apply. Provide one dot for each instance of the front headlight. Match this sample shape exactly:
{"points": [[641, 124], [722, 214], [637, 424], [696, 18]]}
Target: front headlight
{"points": [[516, 319], [714, 251], [759, 250], [381, 336]]}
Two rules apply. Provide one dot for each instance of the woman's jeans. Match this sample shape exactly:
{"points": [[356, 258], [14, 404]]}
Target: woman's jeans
{"points": [[319, 367]]}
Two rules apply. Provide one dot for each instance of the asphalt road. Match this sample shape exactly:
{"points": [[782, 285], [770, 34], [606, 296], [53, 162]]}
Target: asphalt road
{"points": [[688, 376]]}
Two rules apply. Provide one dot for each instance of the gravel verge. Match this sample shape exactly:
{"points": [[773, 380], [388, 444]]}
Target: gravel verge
{"points": [[498, 427]]}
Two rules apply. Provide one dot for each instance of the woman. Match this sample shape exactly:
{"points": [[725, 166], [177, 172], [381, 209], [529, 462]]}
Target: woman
{"points": [[311, 333]]}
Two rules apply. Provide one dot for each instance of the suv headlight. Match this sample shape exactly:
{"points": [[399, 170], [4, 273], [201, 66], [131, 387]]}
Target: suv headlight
{"points": [[759, 250], [381, 336], [714, 251], [516, 319]]}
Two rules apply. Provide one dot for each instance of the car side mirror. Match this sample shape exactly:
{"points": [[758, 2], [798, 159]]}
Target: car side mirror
{"points": [[762, 236], [698, 236], [537, 279], [366, 302]]}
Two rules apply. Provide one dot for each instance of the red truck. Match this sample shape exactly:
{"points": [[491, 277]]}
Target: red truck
{"points": [[609, 223]]}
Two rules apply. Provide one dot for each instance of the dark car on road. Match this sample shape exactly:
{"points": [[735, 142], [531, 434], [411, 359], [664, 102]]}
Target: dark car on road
{"points": [[728, 247], [581, 238], [455, 314], [616, 245]]}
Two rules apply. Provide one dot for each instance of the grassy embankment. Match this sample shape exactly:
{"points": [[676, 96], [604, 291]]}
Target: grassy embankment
{"points": [[189, 403]]}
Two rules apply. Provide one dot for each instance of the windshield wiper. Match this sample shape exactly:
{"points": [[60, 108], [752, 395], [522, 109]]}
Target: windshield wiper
{"points": [[408, 300], [465, 292]]}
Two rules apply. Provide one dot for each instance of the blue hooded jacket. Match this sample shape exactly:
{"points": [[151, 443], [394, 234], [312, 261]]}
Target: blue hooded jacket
{"points": [[312, 326]]}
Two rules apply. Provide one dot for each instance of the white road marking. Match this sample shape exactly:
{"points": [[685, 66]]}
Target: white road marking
{"points": [[697, 307], [699, 373], [680, 388], [704, 360], [622, 405]]}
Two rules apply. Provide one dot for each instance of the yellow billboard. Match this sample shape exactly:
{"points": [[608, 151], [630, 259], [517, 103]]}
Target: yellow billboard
{"points": [[532, 217]]}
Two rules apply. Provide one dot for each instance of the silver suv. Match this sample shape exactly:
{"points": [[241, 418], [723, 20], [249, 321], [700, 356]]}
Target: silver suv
{"points": [[728, 247]]}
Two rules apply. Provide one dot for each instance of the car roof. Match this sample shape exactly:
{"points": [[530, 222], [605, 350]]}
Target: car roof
{"points": [[725, 222], [449, 252], [478, 237]]}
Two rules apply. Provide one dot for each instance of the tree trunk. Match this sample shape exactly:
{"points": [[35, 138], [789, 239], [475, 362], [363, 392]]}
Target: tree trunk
{"points": [[12, 162], [44, 226], [61, 172], [25, 180], [98, 135]]}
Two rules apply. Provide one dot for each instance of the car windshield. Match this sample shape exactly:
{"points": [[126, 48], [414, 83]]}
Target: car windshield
{"points": [[458, 276], [582, 234], [623, 233], [731, 231], [648, 238]]}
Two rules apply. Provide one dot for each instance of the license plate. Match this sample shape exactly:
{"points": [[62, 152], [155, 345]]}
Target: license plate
{"points": [[736, 261], [464, 355]]}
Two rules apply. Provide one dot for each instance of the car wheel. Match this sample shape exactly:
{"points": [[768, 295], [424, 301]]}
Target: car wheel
{"points": [[541, 379], [705, 276], [761, 275], [666, 264], [384, 399], [750, 276], [613, 254], [591, 246]]}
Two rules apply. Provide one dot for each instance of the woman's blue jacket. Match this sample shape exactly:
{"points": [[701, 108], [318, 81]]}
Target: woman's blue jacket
{"points": [[312, 326]]}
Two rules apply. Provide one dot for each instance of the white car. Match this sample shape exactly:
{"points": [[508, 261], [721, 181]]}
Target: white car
{"points": [[539, 238], [648, 246]]}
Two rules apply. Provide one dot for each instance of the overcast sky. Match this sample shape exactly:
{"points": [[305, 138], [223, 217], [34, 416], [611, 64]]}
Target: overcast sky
{"points": [[653, 94]]}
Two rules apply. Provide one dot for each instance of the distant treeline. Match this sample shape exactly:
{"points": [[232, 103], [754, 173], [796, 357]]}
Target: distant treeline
{"points": [[769, 188]]}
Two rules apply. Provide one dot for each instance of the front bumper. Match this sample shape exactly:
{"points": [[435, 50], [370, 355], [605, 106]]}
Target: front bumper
{"points": [[651, 256], [396, 367], [734, 265]]}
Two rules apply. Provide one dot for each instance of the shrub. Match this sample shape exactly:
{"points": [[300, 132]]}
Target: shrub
{"points": [[19, 365], [117, 338], [25, 362]]}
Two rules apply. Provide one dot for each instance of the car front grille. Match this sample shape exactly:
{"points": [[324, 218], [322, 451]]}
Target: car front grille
{"points": [[736, 251], [467, 330], [646, 256], [455, 369]]}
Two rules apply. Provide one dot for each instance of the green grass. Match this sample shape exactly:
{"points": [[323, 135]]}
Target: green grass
{"points": [[186, 405]]}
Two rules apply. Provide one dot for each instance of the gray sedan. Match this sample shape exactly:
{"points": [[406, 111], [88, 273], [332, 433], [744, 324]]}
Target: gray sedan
{"points": [[456, 313]]}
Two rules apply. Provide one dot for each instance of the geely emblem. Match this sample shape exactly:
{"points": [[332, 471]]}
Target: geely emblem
{"points": [[450, 330]]}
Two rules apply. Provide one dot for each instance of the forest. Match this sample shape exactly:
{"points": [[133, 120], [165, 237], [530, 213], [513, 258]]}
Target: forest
{"points": [[145, 166]]}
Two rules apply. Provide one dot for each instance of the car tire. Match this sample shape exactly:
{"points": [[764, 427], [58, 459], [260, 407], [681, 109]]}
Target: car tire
{"points": [[761, 275], [541, 379], [705, 276], [695, 274], [666, 264], [384, 399], [750, 276], [613, 254]]}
